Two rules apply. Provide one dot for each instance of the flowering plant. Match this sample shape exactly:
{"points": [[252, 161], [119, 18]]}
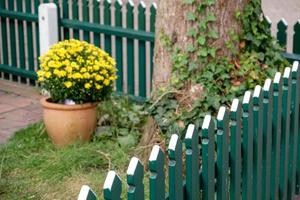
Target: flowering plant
{"points": [[78, 71]]}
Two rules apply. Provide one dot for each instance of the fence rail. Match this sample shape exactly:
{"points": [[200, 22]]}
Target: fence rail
{"points": [[251, 151], [123, 28]]}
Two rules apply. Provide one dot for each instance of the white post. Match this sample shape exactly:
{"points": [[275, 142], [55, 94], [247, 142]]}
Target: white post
{"points": [[48, 26]]}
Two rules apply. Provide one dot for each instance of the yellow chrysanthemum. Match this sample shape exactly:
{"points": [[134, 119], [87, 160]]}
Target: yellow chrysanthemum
{"points": [[106, 82], [68, 84], [87, 86]]}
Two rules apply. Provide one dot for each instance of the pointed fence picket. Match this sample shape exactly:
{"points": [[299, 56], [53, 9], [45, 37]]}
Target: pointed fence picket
{"points": [[249, 152], [267, 138], [247, 146], [257, 142], [222, 154]]}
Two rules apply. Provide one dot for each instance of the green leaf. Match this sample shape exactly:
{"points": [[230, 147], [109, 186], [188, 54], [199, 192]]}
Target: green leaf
{"points": [[193, 66], [203, 52], [202, 25], [213, 34], [210, 2], [212, 52], [190, 48], [210, 17], [201, 40], [191, 16], [192, 32], [126, 141], [188, 1]]}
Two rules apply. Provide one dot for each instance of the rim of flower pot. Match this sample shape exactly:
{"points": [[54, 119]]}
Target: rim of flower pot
{"points": [[47, 104]]}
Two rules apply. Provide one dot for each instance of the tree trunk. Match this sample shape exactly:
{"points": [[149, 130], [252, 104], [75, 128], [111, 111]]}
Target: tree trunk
{"points": [[171, 22]]}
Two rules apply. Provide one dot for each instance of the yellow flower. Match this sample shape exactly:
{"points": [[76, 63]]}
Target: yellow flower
{"points": [[99, 78], [98, 87], [106, 82], [69, 69], [96, 67], [40, 73], [48, 74], [87, 85], [86, 75], [41, 79], [83, 70], [68, 84], [77, 76]]}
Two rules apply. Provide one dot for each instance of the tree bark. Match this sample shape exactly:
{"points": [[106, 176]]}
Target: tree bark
{"points": [[171, 21]]}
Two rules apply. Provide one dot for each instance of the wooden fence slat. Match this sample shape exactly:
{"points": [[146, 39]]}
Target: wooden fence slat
{"points": [[86, 193], [296, 38], [157, 174], [192, 163], [235, 150], [257, 143], [297, 102], [3, 40], [222, 154], [152, 29], [75, 16], [276, 135], [175, 168], [135, 175], [96, 20], [285, 133], [4, 35], [65, 15], [85, 18], [247, 147], [294, 126], [21, 64], [119, 47], [208, 158], [107, 21], [267, 138], [142, 50], [29, 38], [281, 32], [37, 35], [12, 35], [130, 50], [112, 187]]}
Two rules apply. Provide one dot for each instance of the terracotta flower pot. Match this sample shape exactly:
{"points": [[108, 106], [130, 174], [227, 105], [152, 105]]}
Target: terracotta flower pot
{"points": [[66, 124]]}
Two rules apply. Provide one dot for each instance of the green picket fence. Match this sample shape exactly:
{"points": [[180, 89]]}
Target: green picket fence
{"points": [[251, 151], [122, 28]]}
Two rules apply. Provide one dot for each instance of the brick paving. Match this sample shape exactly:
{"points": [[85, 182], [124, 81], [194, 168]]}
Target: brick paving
{"points": [[19, 107]]}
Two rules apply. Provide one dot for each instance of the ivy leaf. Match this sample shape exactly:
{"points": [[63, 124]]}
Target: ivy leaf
{"points": [[191, 16], [203, 52], [213, 34], [190, 48], [188, 1], [192, 32], [210, 17], [210, 2], [202, 25], [192, 66], [212, 52], [201, 40]]}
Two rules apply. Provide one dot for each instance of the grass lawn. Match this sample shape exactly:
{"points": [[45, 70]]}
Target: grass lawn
{"points": [[32, 168]]}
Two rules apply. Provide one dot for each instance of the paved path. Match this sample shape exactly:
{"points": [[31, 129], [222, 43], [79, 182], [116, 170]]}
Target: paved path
{"points": [[19, 106]]}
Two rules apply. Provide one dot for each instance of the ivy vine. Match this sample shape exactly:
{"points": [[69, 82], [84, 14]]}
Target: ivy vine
{"points": [[256, 56]]}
